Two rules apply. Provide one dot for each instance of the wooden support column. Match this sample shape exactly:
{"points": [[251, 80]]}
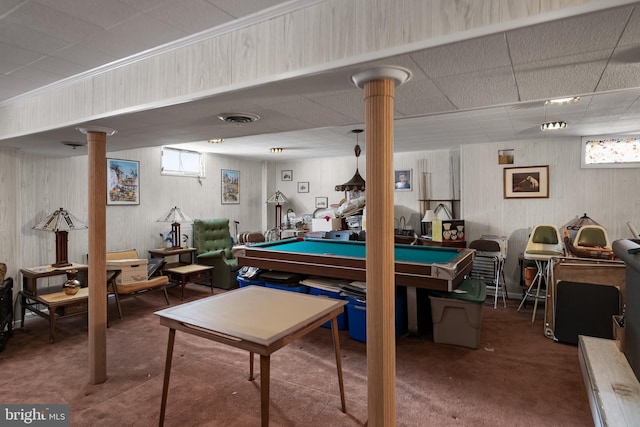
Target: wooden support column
{"points": [[97, 142], [379, 88]]}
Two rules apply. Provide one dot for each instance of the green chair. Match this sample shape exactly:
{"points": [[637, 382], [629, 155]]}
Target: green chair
{"points": [[212, 240]]}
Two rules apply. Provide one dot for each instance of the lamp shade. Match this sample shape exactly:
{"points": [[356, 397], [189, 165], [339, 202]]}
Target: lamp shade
{"points": [[174, 215], [278, 198], [61, 222], [357, 182], [429, 216]]}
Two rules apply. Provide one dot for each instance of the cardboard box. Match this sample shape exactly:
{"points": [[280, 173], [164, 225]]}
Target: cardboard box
{"points": [[321, 224], [447, 229], [131, 270]]}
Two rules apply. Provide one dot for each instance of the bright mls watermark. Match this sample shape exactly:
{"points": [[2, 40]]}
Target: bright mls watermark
{"points": [[34, 415]]}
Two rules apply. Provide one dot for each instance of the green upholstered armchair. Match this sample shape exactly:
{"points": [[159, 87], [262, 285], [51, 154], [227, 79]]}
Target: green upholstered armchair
{"points": [[212, 241]]}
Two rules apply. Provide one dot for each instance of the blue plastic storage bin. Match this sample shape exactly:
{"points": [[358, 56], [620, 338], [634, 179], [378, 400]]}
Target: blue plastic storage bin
{"points": [[243, 281], [357, 315], [295, 288], [342, 318]]}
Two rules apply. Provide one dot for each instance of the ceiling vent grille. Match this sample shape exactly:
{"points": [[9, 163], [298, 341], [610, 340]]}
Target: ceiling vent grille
{"points": [[238, 118]]}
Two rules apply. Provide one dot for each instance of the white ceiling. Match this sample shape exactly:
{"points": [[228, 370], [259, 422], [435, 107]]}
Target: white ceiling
{"points": [[488, 89]]}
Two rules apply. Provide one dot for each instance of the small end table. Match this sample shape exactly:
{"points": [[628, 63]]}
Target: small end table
{"points": [[188, 273], [185, 255]]}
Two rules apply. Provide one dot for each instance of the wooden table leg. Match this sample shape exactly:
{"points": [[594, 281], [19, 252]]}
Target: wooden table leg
{"points": [[52, 324], [167, 374], [336, 346], [264, 388], [251, 377], [184, 283], [211, 279]]}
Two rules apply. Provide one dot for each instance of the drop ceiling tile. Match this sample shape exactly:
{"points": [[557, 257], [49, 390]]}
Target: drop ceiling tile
{"points": [[349, 103], [12, 53], [190, 16], [41, 77], [479, 89], [81, 55], [587, 33], [57, 66], [631, 35], [52, 22], [461, 58], [6, 67], [620, 75], [97, 12], [312, 113], [564, 76], [26, 38], [134, 35], [418, 97], [242, 8], [12, 85]]}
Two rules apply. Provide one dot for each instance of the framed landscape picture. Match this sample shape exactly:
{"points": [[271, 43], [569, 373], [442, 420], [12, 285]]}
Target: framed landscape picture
{"points": [[230, 186], [123, 184], [526, 182]]}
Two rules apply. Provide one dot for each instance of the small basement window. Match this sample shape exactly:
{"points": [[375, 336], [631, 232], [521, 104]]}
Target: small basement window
{"points": [[179, 162], [611, 152]]}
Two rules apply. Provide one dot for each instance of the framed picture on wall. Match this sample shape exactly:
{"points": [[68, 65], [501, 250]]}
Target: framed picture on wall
{"points": [[123, 183], [322, 202], [286, 175], [230, 185], [526, 182], [402, 179], [303, 186]]}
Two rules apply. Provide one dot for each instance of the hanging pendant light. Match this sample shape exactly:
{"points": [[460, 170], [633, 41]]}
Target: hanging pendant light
{"points": [[356, 183]]}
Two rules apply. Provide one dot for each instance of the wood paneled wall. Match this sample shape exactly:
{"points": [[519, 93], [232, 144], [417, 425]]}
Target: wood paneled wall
{"points": [[34, 186], [41, 185]]}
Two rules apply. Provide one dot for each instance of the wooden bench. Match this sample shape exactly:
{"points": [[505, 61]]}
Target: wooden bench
{"points": [[130, 288]]}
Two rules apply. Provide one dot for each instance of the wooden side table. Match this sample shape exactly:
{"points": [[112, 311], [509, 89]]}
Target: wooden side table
{"points": [[188, 273], [185, 255], [57, 303]]}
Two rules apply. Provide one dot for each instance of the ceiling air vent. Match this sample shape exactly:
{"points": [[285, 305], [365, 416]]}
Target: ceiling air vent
{"points": [[238, 118], [74, 144]]}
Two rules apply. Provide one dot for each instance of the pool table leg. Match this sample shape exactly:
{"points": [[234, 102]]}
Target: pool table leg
{"points": [[412, 311]]}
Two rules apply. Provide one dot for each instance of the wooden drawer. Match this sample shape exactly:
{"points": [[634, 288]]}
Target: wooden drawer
{"points": [[76, 307]]}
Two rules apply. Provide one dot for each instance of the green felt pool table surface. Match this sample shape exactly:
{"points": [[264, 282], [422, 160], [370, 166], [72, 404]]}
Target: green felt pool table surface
{"points": [[420, 266]]}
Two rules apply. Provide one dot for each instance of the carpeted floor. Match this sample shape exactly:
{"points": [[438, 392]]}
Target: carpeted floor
{"points": [[516, 378]]}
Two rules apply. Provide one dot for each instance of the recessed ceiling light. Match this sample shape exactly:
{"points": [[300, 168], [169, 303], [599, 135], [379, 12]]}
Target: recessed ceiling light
{"points": [[560, 101], [277, 150], [238, 118], [553, 125], [216, 141]]}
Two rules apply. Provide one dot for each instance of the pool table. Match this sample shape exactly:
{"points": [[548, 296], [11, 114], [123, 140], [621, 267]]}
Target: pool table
{"points": [[426, 267]]}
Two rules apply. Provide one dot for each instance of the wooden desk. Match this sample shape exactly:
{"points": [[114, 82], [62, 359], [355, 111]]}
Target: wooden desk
{"points": [[257, 319]]}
